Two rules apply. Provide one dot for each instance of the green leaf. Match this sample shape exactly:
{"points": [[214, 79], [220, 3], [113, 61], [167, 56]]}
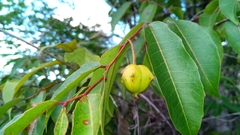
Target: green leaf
{"points": [[61, 125], [8, 91], [39, 126], [207, 20], [9, 123], [232, 33], [9, 105], [119, 14], [211, 12], [80, 56], [18, 64], [27, 117], [39, 98], [86, 116], [142, 7], [104, 88], [148, 13], [178, 12], [234, 108], [178, 77], [205, 48], [34, 70], [69, 47], [58, 109], [74, 79], [229, 9]]}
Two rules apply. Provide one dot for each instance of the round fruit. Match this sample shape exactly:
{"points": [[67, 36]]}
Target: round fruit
{"points": [[136, 78]]}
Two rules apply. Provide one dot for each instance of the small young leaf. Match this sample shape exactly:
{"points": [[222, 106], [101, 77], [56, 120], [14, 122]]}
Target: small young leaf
{"points": [[232, 33], [211, 12], [229, 9], [8, 105], [27, 117], [61, 124], [39, 126], [119, 14], [8, 91], [80, 56], [69, 47], [148, 13]]}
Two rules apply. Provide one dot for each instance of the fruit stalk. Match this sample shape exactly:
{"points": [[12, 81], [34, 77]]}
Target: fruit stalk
{"points": [[133, 52]]}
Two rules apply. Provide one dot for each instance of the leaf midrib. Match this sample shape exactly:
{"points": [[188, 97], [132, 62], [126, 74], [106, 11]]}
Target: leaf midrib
{"points": [[180, 103]]}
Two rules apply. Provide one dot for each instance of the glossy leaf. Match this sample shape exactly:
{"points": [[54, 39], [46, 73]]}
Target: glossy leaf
{"points": [[39, 125], [232, 107], [18, 64], [34, 70], [73, 80], [27, 117], [104, 88], [229, 9], [61, 125], [8, 91], [9, 123], [69, 47], [148, 13], [178, 77], [232, 33], [4, 108], [86, 118], [58, 109], [211, 12], [178, 12], [81, 56], [205, 48], [119, 14]]}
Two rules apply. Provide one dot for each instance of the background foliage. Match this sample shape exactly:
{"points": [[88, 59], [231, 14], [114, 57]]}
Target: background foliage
{"points": [[191, 46]]}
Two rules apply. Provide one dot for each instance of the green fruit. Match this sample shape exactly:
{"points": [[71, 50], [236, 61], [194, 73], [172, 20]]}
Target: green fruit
{"points": [[136, 78]]}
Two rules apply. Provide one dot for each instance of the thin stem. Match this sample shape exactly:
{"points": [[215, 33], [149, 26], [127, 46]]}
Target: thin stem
{"points": [[133, 52], [107, 68], [158, 111], [82, 95], [42, 89]]}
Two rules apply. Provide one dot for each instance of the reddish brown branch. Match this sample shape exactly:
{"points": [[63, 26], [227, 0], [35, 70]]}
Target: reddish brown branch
{"points": [[42, 89], [122, 47]]}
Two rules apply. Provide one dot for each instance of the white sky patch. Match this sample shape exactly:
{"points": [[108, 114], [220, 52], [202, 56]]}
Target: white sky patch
{"points": [[88, 12]]}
